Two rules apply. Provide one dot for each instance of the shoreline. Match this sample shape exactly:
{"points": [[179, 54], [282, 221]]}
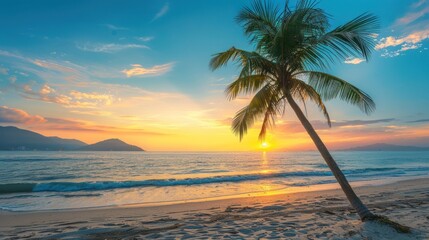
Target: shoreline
{"points": [[405, 201], [283, 191]]}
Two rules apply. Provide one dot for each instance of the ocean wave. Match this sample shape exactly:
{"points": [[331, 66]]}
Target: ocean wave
{"points": [[22, 160], [17, 187], [107, 185]]}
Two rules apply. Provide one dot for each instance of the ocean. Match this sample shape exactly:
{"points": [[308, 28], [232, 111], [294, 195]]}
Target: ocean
{"points": [[65, 180]]}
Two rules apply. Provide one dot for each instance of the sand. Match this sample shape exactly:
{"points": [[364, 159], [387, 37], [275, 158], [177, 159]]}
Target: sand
{"points": [[322, 214]]}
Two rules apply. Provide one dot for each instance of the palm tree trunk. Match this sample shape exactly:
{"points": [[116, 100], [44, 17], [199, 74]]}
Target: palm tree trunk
{"points": [[357, 204]]}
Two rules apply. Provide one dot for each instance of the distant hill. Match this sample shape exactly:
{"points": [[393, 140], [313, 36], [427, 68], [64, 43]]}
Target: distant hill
{"points": [[387, 147], [110, 145], [13, 138]]}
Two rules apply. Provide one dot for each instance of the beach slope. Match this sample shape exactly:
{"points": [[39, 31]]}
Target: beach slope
{"points": [[305, 215]]}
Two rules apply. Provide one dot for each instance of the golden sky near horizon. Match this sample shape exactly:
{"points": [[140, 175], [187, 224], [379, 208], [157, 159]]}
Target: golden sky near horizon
{"points": [[141, 74]]}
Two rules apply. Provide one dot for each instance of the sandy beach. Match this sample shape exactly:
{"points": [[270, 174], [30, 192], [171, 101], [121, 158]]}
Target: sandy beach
{"points": [[323, 214]]}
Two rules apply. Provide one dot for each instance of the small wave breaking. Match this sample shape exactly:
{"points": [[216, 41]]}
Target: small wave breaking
{"points": [[108, 185]]}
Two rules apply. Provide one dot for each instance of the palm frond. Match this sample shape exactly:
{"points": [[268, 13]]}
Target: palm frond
{"points": [[265, 99], [268, 122], [299, 30], [245, 85], [260, 21], [306, 92], [330, 87], [355, 38], [221, 59], [249, 61]]}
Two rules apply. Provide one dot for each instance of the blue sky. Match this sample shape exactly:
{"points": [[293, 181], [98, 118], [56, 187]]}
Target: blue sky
{"points": [[73, 62]]}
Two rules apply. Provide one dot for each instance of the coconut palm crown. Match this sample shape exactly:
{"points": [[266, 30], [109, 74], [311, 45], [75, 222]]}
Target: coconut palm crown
{"points": [[293, 48]]}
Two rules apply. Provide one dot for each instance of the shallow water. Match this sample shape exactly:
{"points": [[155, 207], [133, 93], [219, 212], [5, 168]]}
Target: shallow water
{"points": [[61, 180]]}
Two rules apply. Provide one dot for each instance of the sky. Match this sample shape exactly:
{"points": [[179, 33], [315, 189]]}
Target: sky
{"points": [[139, 71]]}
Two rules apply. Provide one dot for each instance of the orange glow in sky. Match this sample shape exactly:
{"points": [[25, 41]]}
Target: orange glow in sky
{"points": [[96, 74]]}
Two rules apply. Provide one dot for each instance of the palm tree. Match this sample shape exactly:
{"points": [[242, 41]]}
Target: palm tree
{"points": [[292, 48]]}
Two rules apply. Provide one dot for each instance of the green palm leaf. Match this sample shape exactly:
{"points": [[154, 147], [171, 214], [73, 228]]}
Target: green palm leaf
{"points": [[265, 99], [306, 92], [292, 48], [330, 87], [245, 85]]}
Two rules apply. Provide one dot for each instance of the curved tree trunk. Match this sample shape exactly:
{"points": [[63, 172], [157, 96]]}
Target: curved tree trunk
{"points": [[361, 209]]}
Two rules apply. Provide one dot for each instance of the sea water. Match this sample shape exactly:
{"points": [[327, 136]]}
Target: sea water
{"points": [[65, 180]]}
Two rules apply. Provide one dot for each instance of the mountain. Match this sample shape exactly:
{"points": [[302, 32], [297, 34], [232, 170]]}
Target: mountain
{"points": [[73, 143], [110, 145], [387, 147], [13, 138]]}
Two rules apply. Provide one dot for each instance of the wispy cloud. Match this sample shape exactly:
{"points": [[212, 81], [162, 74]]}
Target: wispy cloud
{"points": [[53, 66], [4, 71], [419, 121], [85, 126], [414, 15], [146, 38], [361, 122], [162, 11], [354, 60], [114, 27], [139, 70], [104, 99], [419, 3], [14, 115], [109, 47], [63, 67], [13, 55], [294, 126], [71, 99]]}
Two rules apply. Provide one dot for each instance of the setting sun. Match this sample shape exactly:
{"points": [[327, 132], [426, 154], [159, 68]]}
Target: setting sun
{"points": [[264, 145]]}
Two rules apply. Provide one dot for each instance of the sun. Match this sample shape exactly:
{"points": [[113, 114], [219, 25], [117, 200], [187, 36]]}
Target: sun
{"points": [[265, 145]]}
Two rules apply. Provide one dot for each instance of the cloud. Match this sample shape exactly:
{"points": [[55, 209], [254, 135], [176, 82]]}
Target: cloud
{"points": [[4, 71], [361, 122], [162, 11], [53, 66], [139, 70], [412, 38], [72, 99], [225, 122], [92, 113], [109, 47], [419, 3], [419, 121], [146, 38], [59, 69], [114, 27], [412, 31], [46, 94], [69, 125], [45, 90], [12, 79], [13, 115], [105, 99], [354, 60], [413, 16], [408, 42], [296, 127], [18, 116], [74, 125]]}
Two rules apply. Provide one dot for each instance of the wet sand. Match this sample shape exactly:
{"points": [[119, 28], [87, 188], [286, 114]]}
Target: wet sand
{"points": [[322, 214]]}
